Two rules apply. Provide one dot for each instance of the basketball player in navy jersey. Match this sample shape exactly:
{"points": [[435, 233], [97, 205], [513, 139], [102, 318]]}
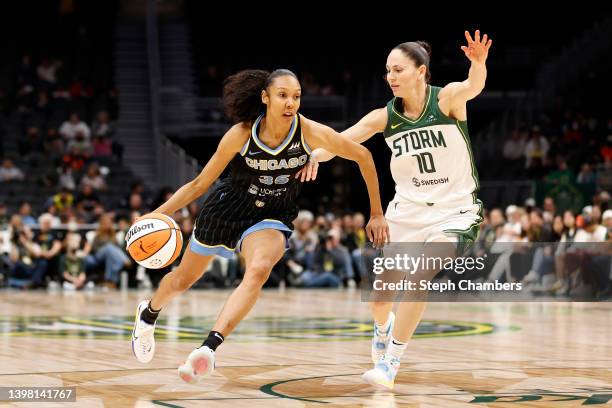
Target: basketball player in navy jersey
{"points": [[252, 210]]}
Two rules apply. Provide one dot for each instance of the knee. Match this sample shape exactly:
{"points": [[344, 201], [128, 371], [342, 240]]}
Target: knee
{"points": [[257, 274]]}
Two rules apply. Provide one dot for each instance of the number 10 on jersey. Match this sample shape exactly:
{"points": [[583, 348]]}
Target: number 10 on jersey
{"points": [[426, 162]]}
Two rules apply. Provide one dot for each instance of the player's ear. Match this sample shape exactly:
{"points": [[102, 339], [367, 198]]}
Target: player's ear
{"points": [[265, 98], [422, 70]]}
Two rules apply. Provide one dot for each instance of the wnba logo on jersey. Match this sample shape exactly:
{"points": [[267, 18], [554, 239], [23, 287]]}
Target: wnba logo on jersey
{"points": [[295, 148]]}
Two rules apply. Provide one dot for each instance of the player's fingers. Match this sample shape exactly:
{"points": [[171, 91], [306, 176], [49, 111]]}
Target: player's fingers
{"points": [[315, 171], [309, 171], [489, 44], [312, 171], [369, 232], [477, 36], [484, 39], [381, 239], [468, 37]]}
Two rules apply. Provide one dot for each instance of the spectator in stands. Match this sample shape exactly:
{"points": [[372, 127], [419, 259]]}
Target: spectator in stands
{"points": [[543, 262], [4, 217], [5, 239], [591, 231], [331, 264], [572, 133], [544, 229], [54, 145], [10, 172], [136, 204], [102, 251], [72, 264], [361, 251], [72, 127], [102, 147], [46, 71], [514, 215], [25, 212], [514, 148], [102, 126], [65, 177], [586, 175], [28, 268], [606, 220], [487, 236], [93, 178], [303, 242], [74, 160], [103, 131], [80, 146], [321, 227], [563, 175], [139, 188], [536, 148], [49, 242], [62, 200], [86, 202], [549, 209]]}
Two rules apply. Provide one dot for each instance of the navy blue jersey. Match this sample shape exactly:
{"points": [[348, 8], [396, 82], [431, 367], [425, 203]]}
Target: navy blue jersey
{"points": [[269, 174]]}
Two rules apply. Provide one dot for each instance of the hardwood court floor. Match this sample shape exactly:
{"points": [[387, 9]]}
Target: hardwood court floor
{"points": [[307, 348]]}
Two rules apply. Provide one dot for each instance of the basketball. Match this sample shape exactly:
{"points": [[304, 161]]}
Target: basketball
{"points": [[154, 241]]}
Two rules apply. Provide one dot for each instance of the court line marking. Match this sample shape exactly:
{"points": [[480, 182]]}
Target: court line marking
{"points": [[269, 388], [337, 364], [374, 392]]}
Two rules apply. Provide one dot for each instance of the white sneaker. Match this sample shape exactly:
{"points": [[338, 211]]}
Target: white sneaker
{"points": [[199, 364], [383, 374], [143, 339], [68, 286], [381, 340]]}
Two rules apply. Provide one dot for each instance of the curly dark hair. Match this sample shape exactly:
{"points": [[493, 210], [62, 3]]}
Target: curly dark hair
{"points": [[242, 93], [419, 52]]}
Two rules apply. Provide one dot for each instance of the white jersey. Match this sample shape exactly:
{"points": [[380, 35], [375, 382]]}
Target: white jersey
{"points": [[431, 157]]}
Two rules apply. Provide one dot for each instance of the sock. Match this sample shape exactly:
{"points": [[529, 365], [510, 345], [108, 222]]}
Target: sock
{"points": [[396, 348], [214, 340], [384, 328], [149, 315]]}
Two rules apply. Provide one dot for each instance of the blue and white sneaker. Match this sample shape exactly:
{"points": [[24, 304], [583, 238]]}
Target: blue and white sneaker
{"points": [[381, 340], [383, 374], [143, 338], [199, 364]]}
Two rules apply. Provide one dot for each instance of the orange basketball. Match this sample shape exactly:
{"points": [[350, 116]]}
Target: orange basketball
{"points": [[154, 241]]}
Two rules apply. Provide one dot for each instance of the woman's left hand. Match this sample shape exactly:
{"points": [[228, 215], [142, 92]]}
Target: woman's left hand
{"points": [[477, 49], [378, 230]]}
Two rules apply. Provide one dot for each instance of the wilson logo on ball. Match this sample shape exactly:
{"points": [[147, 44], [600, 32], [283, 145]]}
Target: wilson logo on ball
{"points": [[136, 229]]}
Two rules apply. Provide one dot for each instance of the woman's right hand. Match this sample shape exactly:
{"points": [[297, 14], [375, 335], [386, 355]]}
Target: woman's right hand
{"points": [[309, 172]]}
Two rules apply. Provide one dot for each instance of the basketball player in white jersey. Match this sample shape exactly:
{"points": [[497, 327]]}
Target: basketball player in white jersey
{"points": [[434, 172]]}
